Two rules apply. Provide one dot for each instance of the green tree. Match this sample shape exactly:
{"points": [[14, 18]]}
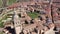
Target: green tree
{"points": [[4, 3]]}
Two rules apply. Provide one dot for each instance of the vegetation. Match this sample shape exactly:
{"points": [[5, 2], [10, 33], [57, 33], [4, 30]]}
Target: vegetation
{"points": [[1, 23], [4, 18], [33, 14], [1, 32], [0, 3], [11, 2]]}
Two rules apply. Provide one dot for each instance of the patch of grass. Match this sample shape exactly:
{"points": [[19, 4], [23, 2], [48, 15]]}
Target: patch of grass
{"points": [[4, 18], [11, 2], [33, 14], [0, 3], [1, 32], [1, 23]]}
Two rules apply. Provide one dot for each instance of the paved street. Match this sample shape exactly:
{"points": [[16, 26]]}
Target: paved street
{"points": [[1, 29]]}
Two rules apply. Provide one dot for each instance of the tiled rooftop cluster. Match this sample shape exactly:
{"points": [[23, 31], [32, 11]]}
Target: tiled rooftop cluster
{"points": [[48, 17]]}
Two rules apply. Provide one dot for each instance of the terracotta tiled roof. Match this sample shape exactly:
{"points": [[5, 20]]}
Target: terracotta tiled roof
{"points": [[24, 4], [14, 5], [20, 4], [58, 25], [56, 4], [29, 27], [56, 0]]}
